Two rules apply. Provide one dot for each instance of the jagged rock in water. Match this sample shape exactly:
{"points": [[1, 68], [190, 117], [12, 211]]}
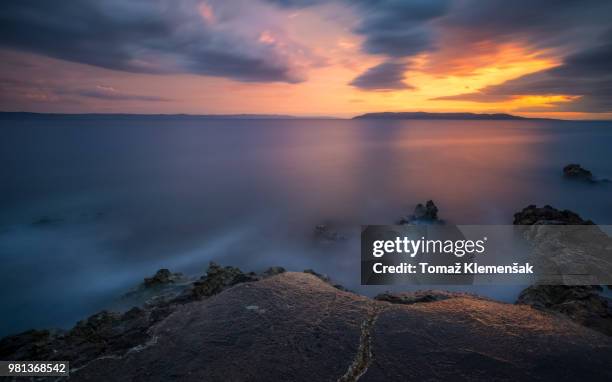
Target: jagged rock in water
{"points": [[163, 277], [423, 214], [294, 326], [218, 278], [583, 304], [325, 234], [576, 172], [547, 215], [163, 286]]}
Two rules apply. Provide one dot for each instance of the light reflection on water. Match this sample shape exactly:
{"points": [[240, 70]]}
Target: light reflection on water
{"points": [[128, 197]]}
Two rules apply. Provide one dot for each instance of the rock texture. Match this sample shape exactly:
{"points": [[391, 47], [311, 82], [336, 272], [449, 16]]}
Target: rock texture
{"points": [[583, 304], [421, 296], [531, 215], [577, 245], [163, 277], [295, 326]]}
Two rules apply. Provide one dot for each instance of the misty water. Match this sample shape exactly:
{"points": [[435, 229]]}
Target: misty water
{"points": [[90, 207]]}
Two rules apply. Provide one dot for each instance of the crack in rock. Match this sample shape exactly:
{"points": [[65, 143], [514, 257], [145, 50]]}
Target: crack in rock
{"points": [[138, 348], [364, 355]]}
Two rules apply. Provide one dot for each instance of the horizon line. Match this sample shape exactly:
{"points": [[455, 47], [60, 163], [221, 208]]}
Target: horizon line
{"points": [[292, 116]]}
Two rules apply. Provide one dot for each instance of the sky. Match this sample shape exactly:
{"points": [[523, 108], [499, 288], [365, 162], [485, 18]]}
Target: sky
{"points": [[538, 58]]}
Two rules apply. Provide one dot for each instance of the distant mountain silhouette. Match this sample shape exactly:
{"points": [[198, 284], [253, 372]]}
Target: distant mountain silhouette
{"points": [[424, 115]]}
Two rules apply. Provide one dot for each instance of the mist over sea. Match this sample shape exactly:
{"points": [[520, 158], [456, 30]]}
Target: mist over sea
{"points": [[90, 207]]}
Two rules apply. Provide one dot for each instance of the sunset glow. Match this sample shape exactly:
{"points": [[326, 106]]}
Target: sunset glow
{"points": [[307, 58]]}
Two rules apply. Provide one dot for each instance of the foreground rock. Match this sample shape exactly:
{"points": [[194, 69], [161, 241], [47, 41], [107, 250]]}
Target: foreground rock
{"points": [[421, 296], [565, 247], [295, 326], [423, 214], [575, 171]]}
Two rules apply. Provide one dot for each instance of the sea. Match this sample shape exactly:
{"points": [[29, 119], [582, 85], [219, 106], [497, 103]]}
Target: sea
{"points": [[90, 206]]}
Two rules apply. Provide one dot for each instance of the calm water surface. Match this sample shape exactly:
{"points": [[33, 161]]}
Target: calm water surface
{"points": [[119, 199]]}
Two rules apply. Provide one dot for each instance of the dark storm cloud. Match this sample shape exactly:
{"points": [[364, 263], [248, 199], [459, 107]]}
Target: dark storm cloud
{"points": [[398, 28], [156, 36], [395, 29], [386, 76], [586, 74], [541, 23]]}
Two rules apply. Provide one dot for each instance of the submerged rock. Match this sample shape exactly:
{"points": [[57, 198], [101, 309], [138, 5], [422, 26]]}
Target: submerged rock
{"points": [[295, 326], [423, 214]]}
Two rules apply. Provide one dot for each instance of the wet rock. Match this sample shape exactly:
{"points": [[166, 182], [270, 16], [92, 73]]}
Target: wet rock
{"points": [[548, 215], [583, 304], [423, 214], [163, 277], [576, 172], [325, 234], [218, 278]]}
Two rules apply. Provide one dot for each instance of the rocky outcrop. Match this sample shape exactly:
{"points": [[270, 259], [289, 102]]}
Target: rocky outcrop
{"points": [[580, 245], [531, 215], [575, 171], [163, 277], [423, 214], [218, 278], [295, 326]]}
